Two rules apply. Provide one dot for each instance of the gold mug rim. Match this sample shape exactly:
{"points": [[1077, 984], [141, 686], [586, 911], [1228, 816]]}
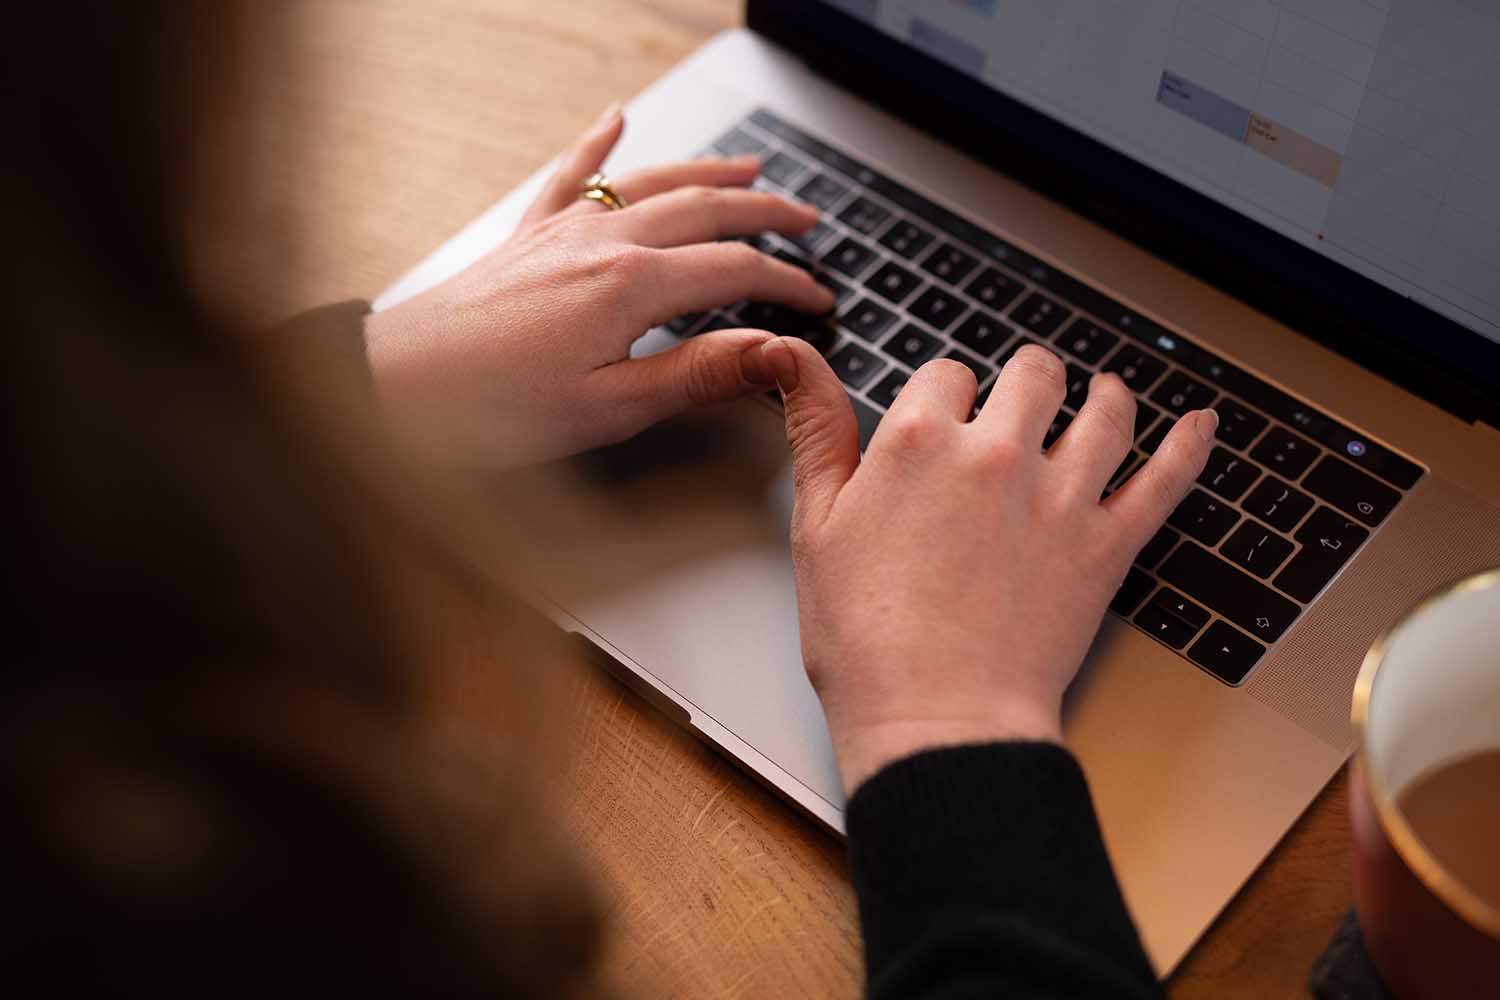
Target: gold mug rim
{"points": [[1477, 912]]}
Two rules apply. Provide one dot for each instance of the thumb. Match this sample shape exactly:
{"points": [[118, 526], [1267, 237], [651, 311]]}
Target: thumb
{"points": [[820, 424], [710, 368]]}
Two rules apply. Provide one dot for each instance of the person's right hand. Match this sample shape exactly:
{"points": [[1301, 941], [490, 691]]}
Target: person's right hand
{"points": [[949, 583]]}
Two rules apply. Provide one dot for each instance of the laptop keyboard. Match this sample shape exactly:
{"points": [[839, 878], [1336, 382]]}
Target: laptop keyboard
{"points": [[1289, 494]]}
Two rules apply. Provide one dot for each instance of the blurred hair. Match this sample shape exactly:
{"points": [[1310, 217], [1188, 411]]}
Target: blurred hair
{"points": [[216, 772]]}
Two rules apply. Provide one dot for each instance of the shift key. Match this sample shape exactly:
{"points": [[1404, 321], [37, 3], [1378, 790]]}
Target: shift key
{"points": [[1237, 596]]}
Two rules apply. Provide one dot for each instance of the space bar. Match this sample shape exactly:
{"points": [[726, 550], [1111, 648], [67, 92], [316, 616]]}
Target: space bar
{"points": [[1252, 606]]}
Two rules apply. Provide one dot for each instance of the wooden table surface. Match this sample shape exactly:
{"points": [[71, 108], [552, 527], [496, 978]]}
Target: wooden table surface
{"points": [[382, 126]]}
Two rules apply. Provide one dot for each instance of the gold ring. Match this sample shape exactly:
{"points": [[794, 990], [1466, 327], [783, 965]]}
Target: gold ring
{"points": [[598, 188]]}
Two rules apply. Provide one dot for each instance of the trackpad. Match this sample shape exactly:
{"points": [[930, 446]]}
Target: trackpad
{"points": [[673, 548]]}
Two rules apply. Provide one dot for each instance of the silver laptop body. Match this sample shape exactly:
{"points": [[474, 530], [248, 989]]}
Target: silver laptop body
{"points": [[1195, 779]]}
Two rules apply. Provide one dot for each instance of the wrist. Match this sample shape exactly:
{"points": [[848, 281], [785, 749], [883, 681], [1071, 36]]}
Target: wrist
{"points": [[864, 748]]}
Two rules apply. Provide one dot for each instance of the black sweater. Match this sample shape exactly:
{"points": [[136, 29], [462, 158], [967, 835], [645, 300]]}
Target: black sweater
{"points": [[980, 872]]}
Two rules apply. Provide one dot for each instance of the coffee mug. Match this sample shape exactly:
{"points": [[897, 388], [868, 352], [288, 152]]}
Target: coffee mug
{"points": [[1425, 796]]}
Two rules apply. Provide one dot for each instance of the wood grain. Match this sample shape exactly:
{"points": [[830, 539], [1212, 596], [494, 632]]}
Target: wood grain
{"points": [[374, 130]]}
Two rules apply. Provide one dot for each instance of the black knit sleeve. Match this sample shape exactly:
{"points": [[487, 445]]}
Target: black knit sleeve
{"points": [[980, 871]]}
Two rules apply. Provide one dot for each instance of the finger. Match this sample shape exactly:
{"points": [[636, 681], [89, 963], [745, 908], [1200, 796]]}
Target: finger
{"points": [[820, 425], [1026, 397], [1098, 439], [583, 159], [700, 214], [691, 279], [712, 171], [707, 369], [943, 387], [1149, 496]]}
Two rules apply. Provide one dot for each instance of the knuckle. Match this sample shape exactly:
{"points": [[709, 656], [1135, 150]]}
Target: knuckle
{"points": [[698, 376], [913, 428], [1115, 405], [1000, 453], [704, 197], [1037, 363], [1162, 493], [630, 259]]}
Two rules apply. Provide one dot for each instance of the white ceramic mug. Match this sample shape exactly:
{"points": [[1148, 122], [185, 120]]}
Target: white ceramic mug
{"points": [[1427, 695]]}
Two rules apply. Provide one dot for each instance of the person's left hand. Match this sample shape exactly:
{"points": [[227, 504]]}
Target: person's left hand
{"points": [[524, 357]]}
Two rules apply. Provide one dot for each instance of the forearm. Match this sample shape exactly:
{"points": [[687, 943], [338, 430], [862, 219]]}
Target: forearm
{"points": [[980, 871]]}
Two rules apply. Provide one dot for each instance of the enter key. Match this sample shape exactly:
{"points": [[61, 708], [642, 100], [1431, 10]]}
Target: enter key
{"points": [[1328, 540]]}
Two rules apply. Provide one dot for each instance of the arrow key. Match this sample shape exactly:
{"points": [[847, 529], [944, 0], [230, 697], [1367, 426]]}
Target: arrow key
{"points": [[1163, 626], [1180, 607], [1226, 652], [1328, 540]]}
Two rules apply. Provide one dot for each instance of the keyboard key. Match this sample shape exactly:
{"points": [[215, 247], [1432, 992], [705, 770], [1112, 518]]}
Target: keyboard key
{"points": [[715, 322], [894, 282], [949, 263], [1131, 593], [1055, 429], [1156, 550], [1227, 474], [1077, 386], [982, 333], [1252, 606], [1087, 341], [854, 365], [1145, 416], [1350, 490], [1158, 434], [1256, 548], [864, 215], [1203, 517], [1180, 607], [912, 345], [1181, 393], [1328, 540], [738, 143], [841, 292], [886, 389], [994, 289], [1164, 627], [849, 257], [906, 239], [981, 370], [814, 237], [868, 319], [1226, 652], [1139, 369], [1285, 453], [822, 191], [787, 322], [936, 308], [1238, 424], [1278, 504], [682, 324], [867, 418], [1039, 314], [1370, 456], [782, 169]]}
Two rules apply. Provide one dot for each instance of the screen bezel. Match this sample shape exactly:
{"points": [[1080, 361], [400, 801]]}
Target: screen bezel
{"points": [[1428, 354]]}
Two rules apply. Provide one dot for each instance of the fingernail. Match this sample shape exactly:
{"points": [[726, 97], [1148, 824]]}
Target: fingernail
{"points": [[1206, 423], [754, 368], [782, 364], [610, 113], [748, 159]]}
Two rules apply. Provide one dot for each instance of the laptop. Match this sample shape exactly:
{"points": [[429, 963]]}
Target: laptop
{"points": [[1287, 211]]}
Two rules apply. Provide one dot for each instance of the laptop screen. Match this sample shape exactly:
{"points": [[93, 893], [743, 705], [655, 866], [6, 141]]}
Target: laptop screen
{"points": [[1366, 131]]}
